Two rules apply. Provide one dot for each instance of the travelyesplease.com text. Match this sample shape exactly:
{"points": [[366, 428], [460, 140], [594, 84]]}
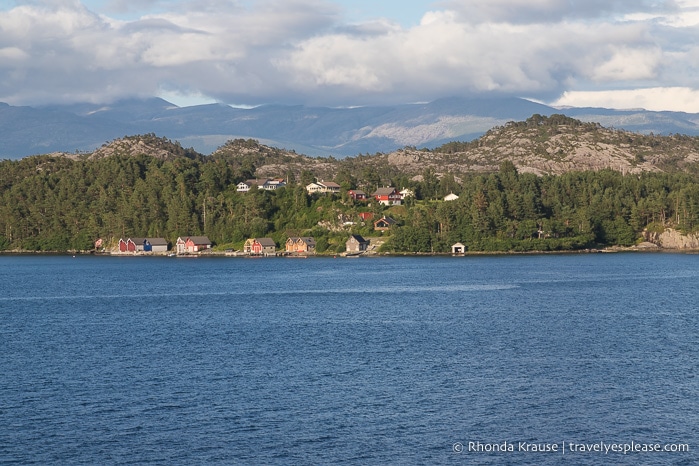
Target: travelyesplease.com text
{"points": [[563, 448]]}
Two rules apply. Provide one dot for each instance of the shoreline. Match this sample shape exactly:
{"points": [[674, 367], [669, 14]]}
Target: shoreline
{"points": [[237, 254]]}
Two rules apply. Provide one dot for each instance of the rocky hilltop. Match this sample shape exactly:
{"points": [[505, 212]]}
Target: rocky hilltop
{"points": [[147, 144], [540, 145], [556, 145]]}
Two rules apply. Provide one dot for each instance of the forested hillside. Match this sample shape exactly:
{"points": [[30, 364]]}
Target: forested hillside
{"points": [[149, 186]]}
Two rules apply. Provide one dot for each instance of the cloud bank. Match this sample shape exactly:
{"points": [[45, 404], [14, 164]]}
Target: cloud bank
{"points": [[305, 52]]}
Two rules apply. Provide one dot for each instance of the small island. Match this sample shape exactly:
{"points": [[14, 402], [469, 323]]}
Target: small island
{"points": [[544, 184]]}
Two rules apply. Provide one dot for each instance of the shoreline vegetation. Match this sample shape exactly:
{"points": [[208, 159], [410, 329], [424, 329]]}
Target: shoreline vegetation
{"points": [[146, 186]]}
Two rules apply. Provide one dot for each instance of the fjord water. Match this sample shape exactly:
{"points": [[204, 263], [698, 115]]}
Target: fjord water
{"points": [[107, 360]]}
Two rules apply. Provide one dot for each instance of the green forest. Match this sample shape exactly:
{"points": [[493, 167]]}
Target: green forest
{"points": [[58, 203]]}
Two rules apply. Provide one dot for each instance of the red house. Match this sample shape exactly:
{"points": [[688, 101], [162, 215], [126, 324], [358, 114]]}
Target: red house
{"points": [[357, 194], [388, 196]]}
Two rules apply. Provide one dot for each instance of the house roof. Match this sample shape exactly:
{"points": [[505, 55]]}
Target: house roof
{"points": [[329, 184], [199, 239], [266, 242], [309, 240], [384, 191], [256, 182], [358, 238], [385, 219], [157, 241]]}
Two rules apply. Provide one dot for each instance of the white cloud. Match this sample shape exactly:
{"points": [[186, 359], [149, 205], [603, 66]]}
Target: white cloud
{"points": [[629, 64], [680, 99], [445, 57], [552, 11], [300, 51]]}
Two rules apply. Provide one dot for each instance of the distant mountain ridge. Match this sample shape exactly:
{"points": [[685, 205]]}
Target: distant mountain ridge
{"points": [[314, 131]]}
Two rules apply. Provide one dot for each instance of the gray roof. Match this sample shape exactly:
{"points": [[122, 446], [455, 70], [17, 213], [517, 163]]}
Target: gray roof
{"points": [[199, 239], [309, 240], [152, 241], [157, 241], [266, 242], [383, 191], [358, 238]]}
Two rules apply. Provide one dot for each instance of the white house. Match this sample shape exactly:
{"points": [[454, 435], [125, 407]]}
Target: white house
{"points": [[243, 187], [323, 187], [451, 197], [271, 185]]}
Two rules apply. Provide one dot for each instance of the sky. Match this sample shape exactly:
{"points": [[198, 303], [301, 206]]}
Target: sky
{"points": [[344, 53]]}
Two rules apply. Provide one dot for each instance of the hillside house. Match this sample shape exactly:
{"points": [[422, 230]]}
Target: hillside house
{"points": [[387, 196], [301, 245], [365, 216], [356, 244], [245, 186], [260, 246], [405, 192], [267, 184], [323, 187], [384, 223], [357, 194], [272, 185]]}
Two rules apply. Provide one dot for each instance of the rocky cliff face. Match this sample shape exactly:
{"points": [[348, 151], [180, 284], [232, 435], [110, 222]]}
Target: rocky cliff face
{"points": [[673, 239]]}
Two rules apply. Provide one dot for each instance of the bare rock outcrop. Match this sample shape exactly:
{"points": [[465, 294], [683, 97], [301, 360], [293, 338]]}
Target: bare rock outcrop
{"points": [[673, 239]]}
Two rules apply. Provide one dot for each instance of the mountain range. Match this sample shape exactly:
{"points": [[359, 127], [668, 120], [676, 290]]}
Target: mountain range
{"points": [[314, 131]]}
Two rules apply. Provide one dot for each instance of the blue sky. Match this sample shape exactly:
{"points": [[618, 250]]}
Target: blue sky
{"points": [[608, 53], [405, 12]]}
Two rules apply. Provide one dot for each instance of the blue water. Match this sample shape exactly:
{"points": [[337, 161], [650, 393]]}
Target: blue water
{"points": [[355, 361]]}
